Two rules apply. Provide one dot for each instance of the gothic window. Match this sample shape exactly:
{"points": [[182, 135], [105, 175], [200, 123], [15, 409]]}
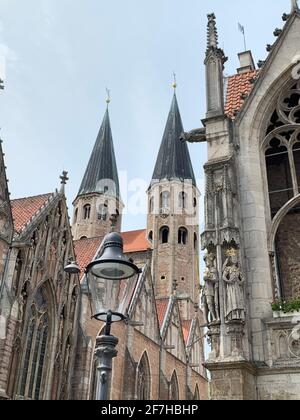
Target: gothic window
{"points": [[103, 212], [35, 348], [164, 234], [197, 394], [182, 236], [165, 200], [87, 212], [182, 200], [151, 205], [174, 388], [143, 379], [76, 216], [195, 241], [282, 149]]}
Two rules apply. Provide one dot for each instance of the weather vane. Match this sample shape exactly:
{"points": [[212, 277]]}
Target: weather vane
{"points": [[174, 81], [108, 98]]}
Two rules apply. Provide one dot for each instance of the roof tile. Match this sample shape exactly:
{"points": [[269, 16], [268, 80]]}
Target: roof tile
{"points": [[238, 85], [23, 209], [162, 306]]}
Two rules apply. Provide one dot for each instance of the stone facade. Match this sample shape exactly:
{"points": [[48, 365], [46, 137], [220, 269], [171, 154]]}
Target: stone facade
{"points": [[251, 220]]}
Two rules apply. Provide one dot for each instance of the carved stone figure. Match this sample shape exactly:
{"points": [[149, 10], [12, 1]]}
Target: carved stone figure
{"points": [[234, 279], [210, 297]]}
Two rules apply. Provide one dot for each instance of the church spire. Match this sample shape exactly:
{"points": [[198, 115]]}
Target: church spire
{"points": [[101, 175], [173, 161], [214, 62]]}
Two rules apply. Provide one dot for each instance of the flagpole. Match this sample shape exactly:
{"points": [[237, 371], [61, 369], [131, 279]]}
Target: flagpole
{"points": [[245, 45]]}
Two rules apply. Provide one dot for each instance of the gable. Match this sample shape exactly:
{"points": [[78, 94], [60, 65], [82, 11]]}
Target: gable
{"points": [[143, 308], [172, 333], [279, 65]]}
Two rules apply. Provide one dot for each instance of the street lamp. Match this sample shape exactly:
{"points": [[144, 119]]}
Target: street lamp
{"points": [[110, 287]]}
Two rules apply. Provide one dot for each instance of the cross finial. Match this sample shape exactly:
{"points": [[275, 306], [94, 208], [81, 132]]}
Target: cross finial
{"points": [[295, 5], [64, 179], [108, 98], [174, 82]]}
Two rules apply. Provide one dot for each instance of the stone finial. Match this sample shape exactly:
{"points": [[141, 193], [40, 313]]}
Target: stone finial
{"points": [[64, 179], [1, 84], [295, 5], [277, 32], [212, 33]]}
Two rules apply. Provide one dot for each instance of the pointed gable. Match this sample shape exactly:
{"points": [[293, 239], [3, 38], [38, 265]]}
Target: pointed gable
{"points": [[24, 209], [102, 164], [142, 308], [173, 161]]}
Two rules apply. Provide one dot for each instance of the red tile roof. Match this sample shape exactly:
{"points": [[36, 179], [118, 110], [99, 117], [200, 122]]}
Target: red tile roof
{"points": [[162, 306], [238, 85], [186, 328], [135, 241], [23, 209], [85, 251]]}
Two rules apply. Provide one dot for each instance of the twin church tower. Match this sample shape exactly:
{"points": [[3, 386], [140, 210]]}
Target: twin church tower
{"points": [[173, 200]]}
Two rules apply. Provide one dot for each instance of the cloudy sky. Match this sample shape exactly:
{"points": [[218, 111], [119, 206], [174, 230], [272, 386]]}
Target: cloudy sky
{"points": [[58, 56]]}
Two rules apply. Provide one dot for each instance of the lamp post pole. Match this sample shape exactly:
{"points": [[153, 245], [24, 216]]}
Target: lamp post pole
{"points": [[111, 271], [105, 352]]}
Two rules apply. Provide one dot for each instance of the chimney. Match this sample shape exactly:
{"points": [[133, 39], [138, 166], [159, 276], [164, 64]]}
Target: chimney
{"points": [[246, 62]]}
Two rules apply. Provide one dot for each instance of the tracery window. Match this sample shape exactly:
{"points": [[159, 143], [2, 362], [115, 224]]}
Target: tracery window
{"points": [[174, 388], [37, 338], [143, 379], [282, 149]]}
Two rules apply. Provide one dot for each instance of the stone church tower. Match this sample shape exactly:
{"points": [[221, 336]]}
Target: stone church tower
{"points": [[173, 218], [98, 206]]}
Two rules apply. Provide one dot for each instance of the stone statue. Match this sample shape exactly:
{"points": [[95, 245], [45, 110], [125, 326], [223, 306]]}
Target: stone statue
{"points": [[234, 279], [210, 297]]}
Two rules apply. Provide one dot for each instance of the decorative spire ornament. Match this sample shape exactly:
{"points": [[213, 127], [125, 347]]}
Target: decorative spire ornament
{"points": [[108, 98], [295, 5], [212, 34], [174, 85]]}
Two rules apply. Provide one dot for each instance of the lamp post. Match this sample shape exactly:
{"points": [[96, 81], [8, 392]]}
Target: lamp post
{"points": [[110, 287]]}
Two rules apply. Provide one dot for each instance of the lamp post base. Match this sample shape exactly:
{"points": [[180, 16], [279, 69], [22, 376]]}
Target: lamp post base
{"points": [[105, 352]]}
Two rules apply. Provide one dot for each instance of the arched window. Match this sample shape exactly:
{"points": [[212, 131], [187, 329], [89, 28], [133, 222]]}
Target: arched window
{"points": [[35, 349], [144, 379], [165, 200], [151, 205], [103, 212], [76, 216], [182, 236], [195, 241], [150, 236], [87, 212], [174, 388], [195, 202], [164, 234], [197, 394], [282, 149], [182, 200]]}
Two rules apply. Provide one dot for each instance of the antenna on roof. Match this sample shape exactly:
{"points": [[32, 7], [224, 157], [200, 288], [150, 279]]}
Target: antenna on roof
{"points": [[242, 30]]}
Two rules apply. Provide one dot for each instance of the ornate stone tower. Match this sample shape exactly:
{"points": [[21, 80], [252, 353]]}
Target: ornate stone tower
{"points": [[173, 218], [98, 206]]}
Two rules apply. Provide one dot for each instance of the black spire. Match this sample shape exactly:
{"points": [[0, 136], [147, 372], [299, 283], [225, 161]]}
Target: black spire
{"points": [[102, 164], [173, 160]]}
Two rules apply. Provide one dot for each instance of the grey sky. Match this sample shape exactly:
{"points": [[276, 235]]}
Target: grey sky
{"points": [[61, 54]]}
